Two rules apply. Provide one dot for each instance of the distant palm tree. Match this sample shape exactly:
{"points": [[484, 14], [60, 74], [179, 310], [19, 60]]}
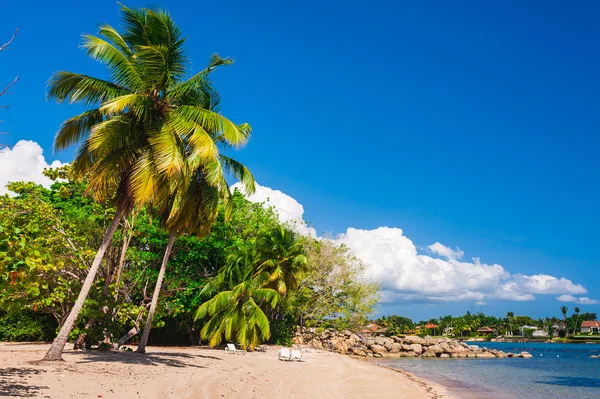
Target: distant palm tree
{"points": [[564, 311], [509, 318], [577, 310], [126, 135]]}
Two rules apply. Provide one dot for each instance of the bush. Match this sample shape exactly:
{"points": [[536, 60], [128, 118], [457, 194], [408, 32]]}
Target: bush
{"points": [[27, 326], [281, 332]]}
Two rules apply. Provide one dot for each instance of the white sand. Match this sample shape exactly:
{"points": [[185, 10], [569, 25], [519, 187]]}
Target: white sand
{"points": [[186, 372]]}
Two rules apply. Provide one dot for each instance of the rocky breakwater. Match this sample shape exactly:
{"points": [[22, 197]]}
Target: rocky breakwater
{"points": [[347, 342], [412, 346]]}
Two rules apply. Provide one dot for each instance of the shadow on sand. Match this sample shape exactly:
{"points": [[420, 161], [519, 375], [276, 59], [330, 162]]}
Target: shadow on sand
{"points": [[12, 383], [170, 359]]}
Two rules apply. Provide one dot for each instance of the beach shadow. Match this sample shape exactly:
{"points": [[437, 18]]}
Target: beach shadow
{"points": [[170, 359], [11, 383], [573, 382]]}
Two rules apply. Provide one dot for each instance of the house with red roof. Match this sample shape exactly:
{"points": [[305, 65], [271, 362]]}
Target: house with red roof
{"points": [[590, 327]]}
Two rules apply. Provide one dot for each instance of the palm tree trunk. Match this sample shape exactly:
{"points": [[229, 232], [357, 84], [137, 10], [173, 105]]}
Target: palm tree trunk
{"points": [[55, 351], [161, 275]]}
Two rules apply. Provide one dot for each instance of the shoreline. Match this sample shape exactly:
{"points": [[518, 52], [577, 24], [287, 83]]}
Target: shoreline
{"points": [[194, 372]]}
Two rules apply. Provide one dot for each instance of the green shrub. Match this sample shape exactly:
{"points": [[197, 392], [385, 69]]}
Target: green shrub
{"points": [[27, 326], [281, 332]]}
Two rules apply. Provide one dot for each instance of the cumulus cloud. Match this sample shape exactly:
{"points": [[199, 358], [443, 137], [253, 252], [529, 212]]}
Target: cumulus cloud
{"points": [[393, 260], [409, 274], [581, 300], [288, 209], [447, 252], [24, 162]]}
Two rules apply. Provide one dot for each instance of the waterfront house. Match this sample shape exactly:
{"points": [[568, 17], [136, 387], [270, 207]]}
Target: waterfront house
{"points": [[432, 327], [487, 331], [590, 327], [526, 327]]}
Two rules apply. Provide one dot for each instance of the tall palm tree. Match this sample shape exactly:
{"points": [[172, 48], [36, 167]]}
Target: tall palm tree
{"points": [[194, 209], [236, 312], [577, 310], [126, 135]]}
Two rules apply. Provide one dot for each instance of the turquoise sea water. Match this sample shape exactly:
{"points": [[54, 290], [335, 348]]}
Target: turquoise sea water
{"points": [[556, 371]]}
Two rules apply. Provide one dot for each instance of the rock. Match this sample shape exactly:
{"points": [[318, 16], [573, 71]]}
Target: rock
{"points": [[418, 349], [429, 353], [370, 341], [377, 355], [435, 349], [388, 344], [316, 343], [460, 355], [510, 354], [412, 339], [526, 355], [298, 340], [358, 352], [396, 348], [593, 357], [408, 354], [473, 347], [369, 354], [485, 355], [340, 345], [379, 341], [378, 349], [444, 355]]}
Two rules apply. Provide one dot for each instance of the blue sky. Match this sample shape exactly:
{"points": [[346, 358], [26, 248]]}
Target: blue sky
{"points": [[473, 125]]}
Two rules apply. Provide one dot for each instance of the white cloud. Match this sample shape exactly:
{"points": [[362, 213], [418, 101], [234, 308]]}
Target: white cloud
{"points": [[566, 298], [587, 301], [406, 274], [289, 210], [581, 300], [447, 252], [24, 162]]}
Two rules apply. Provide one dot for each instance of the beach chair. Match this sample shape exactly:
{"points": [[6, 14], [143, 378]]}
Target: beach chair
{"points": [[297, 356], [230, 348], [284, 354]]}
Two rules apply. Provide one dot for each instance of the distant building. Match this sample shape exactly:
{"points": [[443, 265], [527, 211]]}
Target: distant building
{"points": [[373, 328], [590, 327], [526, 327], [539, 334], [487, 331]]}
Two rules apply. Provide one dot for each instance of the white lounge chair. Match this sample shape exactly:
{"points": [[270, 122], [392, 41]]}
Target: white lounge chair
{"points": [[284, 354], [230, 348], [297, 356]]}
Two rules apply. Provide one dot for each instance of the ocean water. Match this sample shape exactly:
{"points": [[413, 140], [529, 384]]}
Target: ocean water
{"points": [[556, 371]]}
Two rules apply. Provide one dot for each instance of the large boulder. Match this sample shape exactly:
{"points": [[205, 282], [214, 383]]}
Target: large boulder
{"points": [[485, 355], [388, 343], [396, 348], [413, 339], [379, 349], [429, 353], [435, 349], [525, 355], [459, 355], [358, 352], [298, 340], [340, 345], [379, 341], [444, 355], [418, 349]]}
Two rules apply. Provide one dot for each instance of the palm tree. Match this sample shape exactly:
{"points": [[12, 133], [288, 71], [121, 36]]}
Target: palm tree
{"points": [[283, 258], [509, 318], [194, 209], [564, 311], [577, 310], [127, 133], [236, 312]]}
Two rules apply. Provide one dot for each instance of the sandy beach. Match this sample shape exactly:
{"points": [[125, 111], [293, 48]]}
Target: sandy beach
{"points": [[186, 372]]}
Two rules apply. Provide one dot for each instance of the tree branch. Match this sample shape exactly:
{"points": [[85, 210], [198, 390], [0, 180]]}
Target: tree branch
{"points": [[5, 45]]}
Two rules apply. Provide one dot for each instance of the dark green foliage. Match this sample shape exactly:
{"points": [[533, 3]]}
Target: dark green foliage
{"points": [[282, 331], [27, 325]]}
